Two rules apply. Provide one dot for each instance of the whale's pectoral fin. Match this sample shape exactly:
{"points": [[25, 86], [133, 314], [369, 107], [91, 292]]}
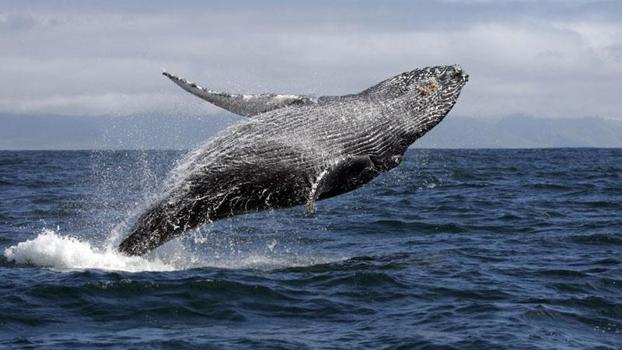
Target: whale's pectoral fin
{"points": [[316, 187], [344, 175], [245, 105]]}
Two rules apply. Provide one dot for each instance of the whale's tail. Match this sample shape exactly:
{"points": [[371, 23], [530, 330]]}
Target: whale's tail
{"points": [[165, 220], [152, 229]]}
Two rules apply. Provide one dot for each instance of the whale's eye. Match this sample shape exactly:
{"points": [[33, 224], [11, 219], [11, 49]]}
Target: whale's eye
{"points": [[428, 87]]}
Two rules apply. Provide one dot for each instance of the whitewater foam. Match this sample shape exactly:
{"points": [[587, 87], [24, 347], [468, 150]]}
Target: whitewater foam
{"points": [[50, 249], [61, 252]]}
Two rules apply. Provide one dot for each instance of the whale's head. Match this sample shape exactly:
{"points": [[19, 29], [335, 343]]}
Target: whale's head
{"points": [[423, 97], [429, 95]]}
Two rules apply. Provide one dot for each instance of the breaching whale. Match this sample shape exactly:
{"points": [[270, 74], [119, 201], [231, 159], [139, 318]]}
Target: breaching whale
{"points": [[295, 150]]}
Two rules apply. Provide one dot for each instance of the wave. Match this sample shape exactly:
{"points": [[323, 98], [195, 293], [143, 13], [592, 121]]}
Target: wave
{"points": [[62, 252]]}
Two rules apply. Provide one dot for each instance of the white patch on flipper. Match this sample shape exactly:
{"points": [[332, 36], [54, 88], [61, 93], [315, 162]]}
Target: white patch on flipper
{"points": [[314, 193]]}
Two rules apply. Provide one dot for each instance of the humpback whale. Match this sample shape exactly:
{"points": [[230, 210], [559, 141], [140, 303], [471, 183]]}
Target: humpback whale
{"points": [[294, 150]]}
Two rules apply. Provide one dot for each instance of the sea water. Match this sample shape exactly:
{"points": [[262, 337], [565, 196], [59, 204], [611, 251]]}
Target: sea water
{"points": [[454, 249]]}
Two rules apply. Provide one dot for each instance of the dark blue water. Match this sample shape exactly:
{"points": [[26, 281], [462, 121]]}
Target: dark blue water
{"points": [[516, 249]]}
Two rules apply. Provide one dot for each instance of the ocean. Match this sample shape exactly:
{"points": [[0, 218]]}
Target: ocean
{"points": [[453, 249]]}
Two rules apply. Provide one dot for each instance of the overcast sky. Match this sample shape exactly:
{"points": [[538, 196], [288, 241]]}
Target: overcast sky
{"points": [[540, 58]]}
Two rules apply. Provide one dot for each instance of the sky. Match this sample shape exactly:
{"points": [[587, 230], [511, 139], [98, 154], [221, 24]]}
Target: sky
{"points": [[549, 59]]}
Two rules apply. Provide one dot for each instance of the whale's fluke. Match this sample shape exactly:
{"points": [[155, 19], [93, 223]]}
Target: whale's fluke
{"points": [[244, 105]]}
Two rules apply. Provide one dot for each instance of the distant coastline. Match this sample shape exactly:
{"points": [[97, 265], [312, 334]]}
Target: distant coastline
{"points": [[159, 132]]}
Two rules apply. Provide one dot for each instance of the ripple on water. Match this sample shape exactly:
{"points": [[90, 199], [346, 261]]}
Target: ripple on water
{"points": [[597, 239]]}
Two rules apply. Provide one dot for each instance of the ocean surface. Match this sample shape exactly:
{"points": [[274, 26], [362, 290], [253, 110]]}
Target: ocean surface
{"points": [[454, 249]]}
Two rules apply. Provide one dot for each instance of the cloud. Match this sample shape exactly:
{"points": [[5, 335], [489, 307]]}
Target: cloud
{"points": [[550, 58], [16, 23], [114, 104]]}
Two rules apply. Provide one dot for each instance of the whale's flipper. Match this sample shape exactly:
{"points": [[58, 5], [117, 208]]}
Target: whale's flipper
{"points": [[316, 188], [245, 105], [343, 176]]}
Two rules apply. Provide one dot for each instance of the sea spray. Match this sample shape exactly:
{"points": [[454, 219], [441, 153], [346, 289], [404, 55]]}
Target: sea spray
{"points": [[62, 252], [49, 249]]}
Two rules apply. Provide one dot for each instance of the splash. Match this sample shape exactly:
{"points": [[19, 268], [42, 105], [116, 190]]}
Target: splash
{"points": [[50, 249], [61, 252]]}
